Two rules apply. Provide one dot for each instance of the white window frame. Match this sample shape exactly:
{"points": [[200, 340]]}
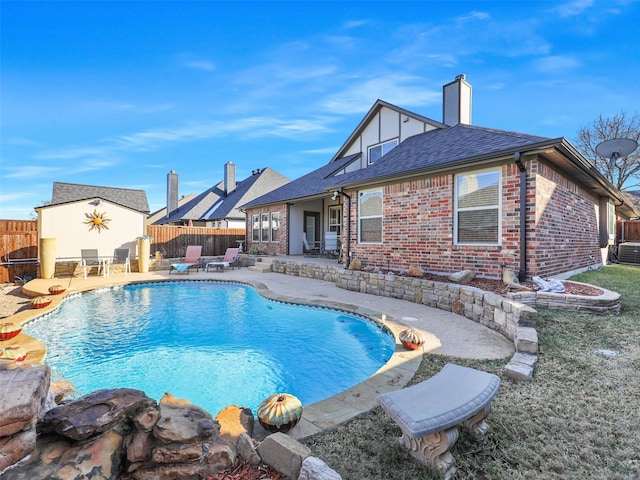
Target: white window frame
{"points": [[335, 227], [385, 147], [265, 227], [361, 217], [275, 226], [255, 227], [457, 210]]}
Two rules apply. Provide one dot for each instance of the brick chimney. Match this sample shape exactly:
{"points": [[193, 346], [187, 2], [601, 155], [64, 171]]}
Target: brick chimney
{"points": [[229, 178], [172, 192], [456, 102]]}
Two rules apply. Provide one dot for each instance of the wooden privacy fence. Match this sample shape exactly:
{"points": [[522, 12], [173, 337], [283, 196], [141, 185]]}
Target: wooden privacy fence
{"points": [[172, 241], [631, 231], [18, 240]]}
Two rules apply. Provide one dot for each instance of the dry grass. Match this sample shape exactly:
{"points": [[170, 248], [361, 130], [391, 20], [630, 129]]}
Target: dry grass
{"points": [[578, 419]]}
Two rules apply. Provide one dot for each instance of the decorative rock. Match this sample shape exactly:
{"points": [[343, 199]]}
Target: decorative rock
{"points": [[9, 330], [235, 421], [510, 278], [139, 449], [95, 413], [315, 469], [176, 453], [40, 302], [62, 390], [463, 277], [56, 289], [414, 271], [247, 449], [21, 404], [182, 422], [16, 447], [280, 412], [355, 264], [411, 339], [284, 454], [147, 419]]}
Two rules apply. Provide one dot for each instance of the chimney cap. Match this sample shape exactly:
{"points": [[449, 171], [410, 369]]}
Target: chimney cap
{"points": [[462, 76]]}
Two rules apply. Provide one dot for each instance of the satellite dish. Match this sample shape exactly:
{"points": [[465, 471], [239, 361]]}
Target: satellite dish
{"points": [[616, 148]]}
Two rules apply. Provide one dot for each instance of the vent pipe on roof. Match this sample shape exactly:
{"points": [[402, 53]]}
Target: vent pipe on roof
{"points": [[456, 102], [172, 192], [229, 178]]}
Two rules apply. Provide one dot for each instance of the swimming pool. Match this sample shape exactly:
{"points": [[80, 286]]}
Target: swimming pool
{"points": [[213, 343]]}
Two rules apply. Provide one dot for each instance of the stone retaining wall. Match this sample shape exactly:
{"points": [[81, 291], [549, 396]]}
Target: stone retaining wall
{"points": [[513, 317]]}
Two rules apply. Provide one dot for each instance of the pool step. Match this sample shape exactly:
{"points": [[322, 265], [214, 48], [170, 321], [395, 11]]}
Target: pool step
{"points": [[262, 265]]}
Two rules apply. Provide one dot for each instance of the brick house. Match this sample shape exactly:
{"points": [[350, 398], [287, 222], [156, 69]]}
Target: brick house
{"points": [[407, 190]]}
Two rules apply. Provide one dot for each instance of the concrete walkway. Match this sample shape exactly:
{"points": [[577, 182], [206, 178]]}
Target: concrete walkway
{"points": [[445, 333]]}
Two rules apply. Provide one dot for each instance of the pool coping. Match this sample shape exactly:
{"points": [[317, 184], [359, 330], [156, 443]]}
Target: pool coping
{"points": [[316, 417]]}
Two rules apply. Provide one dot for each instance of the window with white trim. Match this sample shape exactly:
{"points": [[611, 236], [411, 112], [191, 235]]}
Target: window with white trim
{"points": [[255, 228], [335, 219], [370, 216], [275, 226], [477, 208], [264, 231], [381, 149]]}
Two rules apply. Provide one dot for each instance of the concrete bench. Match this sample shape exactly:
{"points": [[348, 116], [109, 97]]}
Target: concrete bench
{"points": [[430, 412]]}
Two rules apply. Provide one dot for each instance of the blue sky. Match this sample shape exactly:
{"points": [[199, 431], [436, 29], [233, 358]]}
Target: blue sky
{"points": [[119, 93]]}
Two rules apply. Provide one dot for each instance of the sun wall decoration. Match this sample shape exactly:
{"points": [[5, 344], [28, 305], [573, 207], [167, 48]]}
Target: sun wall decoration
{"points": [[97, 221]]}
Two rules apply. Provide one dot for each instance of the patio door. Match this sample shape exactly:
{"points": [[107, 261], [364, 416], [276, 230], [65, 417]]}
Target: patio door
{"points": [[312, 226]]}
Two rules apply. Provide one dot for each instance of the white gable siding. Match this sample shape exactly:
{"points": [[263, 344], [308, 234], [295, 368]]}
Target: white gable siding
{"points": [[385, 125]]}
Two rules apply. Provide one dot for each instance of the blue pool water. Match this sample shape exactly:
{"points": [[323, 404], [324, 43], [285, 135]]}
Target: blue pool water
{"points": [[213, 343]]}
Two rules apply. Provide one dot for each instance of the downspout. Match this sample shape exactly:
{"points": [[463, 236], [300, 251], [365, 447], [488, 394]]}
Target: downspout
{"points": [[348, 259], [522, 273], [348, 197]]}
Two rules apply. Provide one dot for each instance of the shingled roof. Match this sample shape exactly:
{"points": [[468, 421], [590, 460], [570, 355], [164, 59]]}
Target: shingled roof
{"points": [[433, 150], [214, 204], [318, 182], [73, 192]]}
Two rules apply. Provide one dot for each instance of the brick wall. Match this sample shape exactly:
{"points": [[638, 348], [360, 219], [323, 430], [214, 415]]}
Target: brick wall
{"points": [[564, 234], [418, 229], [271, 248]]}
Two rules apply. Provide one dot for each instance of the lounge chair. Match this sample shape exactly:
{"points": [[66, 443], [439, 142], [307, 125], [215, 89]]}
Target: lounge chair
{"points": [[90, 259], [230, 259], [121, 257], [307, 249], [191, 259]]}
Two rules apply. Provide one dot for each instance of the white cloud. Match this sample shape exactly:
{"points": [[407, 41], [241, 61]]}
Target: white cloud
{"points": [[556, 64], [354, 24], [573, 8], [30, 171], [399, 89], [205, 65]]}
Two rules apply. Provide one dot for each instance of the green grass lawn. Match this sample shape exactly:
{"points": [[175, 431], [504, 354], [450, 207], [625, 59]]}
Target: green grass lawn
{"points": [[578, 419]]}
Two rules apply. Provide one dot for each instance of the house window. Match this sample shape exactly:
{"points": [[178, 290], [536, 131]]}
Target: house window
{"points": [[378, 151], [477, 208], [275, 226], [370, 216], [335, 219], [264, 237], [255, 228]]}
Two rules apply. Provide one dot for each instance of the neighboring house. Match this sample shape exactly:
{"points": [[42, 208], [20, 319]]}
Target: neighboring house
{"points": [[405, 190], [219, 206], [121, 215], [161, 214]]}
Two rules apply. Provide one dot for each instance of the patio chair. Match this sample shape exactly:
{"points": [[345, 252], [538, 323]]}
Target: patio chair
{"points": [[308, 250], [121, 257], [90, 259], [191, 259], [230, 259], [331, 244]]}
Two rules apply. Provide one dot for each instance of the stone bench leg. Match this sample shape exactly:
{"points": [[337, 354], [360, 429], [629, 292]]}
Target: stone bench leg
{"points": [[433, 449], [477, 426]]}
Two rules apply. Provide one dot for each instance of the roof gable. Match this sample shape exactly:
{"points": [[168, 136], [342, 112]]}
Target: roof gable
{"points": [[72, 192]]}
